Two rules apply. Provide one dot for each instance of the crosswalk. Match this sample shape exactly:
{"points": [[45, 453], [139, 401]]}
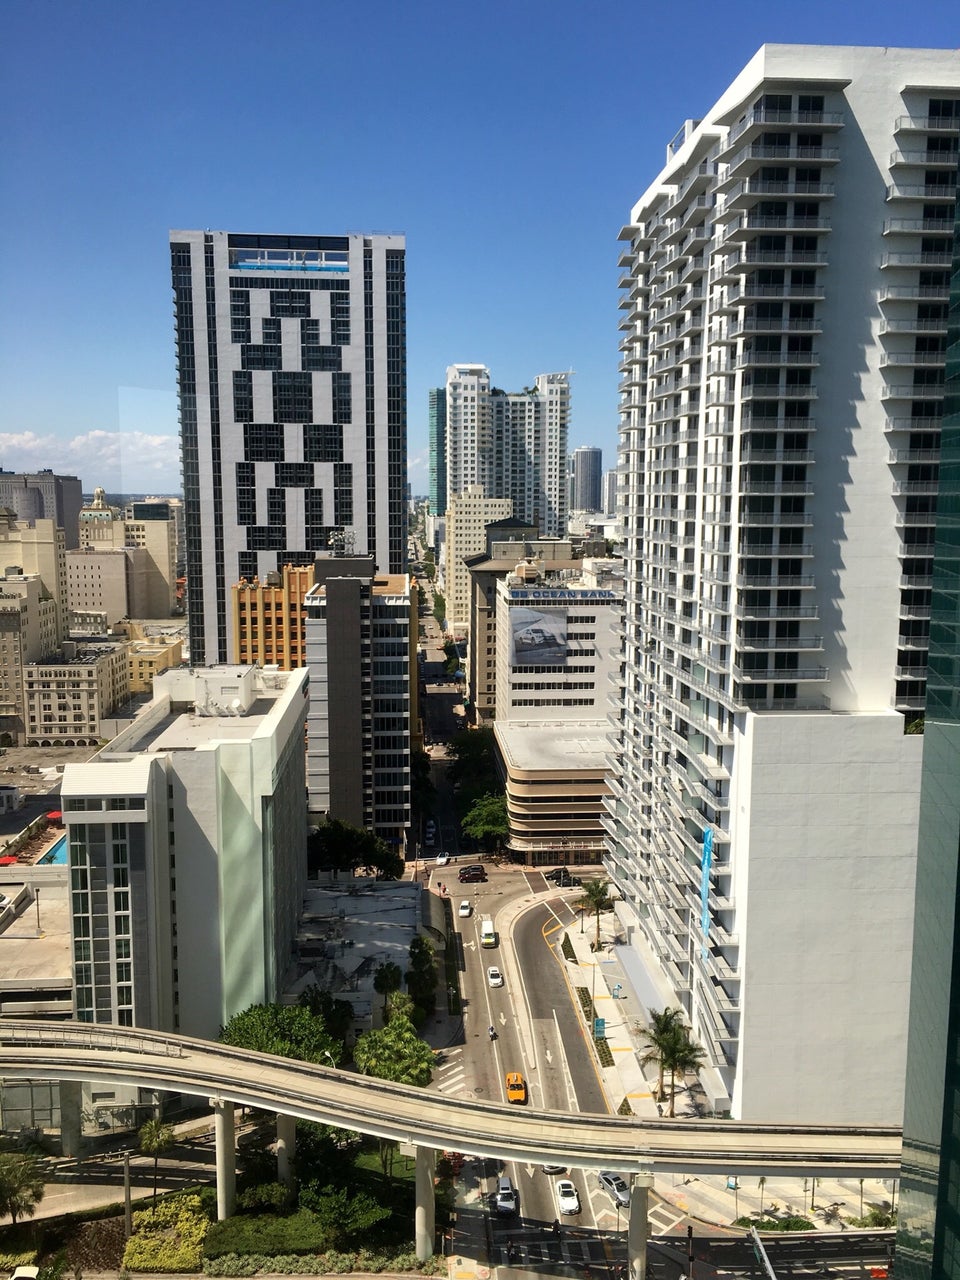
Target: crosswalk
{"points": [[533, 1247], [450, 1076]]}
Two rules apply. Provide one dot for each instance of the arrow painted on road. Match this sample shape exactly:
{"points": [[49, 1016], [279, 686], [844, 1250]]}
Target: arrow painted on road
{"points": [[503, 1019], [472, 945], [530, 1170], [549, 1057]]}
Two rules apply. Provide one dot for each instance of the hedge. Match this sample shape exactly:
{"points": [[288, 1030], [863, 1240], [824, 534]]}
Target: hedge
{"points": [[168, 1239], [322, 1264], [265, 1235]]}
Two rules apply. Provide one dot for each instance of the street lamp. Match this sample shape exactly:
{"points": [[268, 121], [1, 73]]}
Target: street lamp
{"points": [[581, 919]]}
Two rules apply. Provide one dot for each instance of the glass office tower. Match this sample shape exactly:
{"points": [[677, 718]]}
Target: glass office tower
{"points": [[928, 1236]]}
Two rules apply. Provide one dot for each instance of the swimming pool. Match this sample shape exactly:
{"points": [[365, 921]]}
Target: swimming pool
{"points": [[56, 856]]}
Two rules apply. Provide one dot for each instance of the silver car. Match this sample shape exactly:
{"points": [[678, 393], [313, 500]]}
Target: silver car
{"points": [[616, 1188]]}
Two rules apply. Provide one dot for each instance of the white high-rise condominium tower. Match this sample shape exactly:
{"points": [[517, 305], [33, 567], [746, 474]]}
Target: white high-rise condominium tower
{"points": [[291, 356], [513, 444], [786, 282]]}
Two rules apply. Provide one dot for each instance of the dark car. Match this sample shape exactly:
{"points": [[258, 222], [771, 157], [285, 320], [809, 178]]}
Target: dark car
{"points": [[474, 874]]}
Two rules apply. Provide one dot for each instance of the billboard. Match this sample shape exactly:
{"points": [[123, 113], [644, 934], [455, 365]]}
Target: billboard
{"points": [[538, 638]]}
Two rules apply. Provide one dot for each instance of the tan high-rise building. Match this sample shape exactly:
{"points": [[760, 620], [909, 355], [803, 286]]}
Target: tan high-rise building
{"points": [[268, 618], [468, 515], [29, 618]]}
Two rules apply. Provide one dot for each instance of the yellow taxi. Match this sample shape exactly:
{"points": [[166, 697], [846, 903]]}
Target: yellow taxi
{"points": [[516, 1087]]}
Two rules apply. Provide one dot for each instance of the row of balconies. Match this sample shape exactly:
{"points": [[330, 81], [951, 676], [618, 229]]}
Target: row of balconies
{"points": [[758, 153]]}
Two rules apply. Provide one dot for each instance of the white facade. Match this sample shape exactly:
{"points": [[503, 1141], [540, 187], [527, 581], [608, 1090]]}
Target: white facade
{"points": [[187, 845], [292, 409], [468, 514], [512, 444], [786, 278]]}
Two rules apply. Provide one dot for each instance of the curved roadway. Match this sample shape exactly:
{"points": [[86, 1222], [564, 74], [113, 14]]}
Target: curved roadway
{"points": [[80, 1051]]}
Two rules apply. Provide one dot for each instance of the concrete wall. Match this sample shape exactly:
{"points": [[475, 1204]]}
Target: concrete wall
{"points": [[825, 812]]}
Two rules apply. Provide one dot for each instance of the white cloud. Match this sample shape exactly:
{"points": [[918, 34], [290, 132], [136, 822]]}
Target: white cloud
{"points": [[121, 461]]}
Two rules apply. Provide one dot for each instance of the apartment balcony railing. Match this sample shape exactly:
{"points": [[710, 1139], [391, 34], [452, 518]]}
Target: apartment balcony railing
{"points": [[796, 550], [746, 223], [922, 191], [760, 519], [916, 358], [928, 324], [917, 487], [761, 582], [784, 613], [928, 124], [927, 159], [918, 423], [927, 226], [939, 259], [758, 188], [916, 455], [768, 675], [912, 391], [761, 116], [792, 644]]}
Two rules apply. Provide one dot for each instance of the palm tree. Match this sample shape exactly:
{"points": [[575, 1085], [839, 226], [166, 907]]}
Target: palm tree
{"points": [[683, 1055], [155, 1138], [386, 980], [596, 897], [21, 1185], [659, 1036]]}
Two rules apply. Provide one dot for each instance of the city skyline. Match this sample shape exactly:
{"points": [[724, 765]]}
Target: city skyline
{"points": [[133, 134]]}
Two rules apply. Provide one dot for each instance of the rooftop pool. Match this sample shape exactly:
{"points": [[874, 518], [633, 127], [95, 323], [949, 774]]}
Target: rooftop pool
{"points": [[56, 856]]}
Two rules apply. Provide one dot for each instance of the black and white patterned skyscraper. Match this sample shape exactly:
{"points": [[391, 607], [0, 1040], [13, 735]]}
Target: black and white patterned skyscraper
{"points": [[291, 358]]}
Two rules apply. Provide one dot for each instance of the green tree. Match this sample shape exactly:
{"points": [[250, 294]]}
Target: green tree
{"points": [[337, 846], [473, 766], [21, 1185], [156, 1138], [345, 1215], [422, 791], [659, 1037], [336, 1014], [288, 1031], [439, 605], [387, 979], [596, 898], [395, 1052], [421, 976], [683, 1055], [486, 820]]}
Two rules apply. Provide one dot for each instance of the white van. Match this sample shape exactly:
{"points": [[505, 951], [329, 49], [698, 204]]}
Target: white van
{"points": [[488, 934]]}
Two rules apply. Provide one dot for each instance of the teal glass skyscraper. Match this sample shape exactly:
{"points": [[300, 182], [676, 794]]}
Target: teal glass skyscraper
{"points": [[928, 1234]]}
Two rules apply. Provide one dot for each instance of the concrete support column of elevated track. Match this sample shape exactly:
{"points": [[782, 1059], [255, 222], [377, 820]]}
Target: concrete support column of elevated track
{"points": [[225, 1138], [286, 1148], [71, 1118], [425, 1218], [637, 1227]]}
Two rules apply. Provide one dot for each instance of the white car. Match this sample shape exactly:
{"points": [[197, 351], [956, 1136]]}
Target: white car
{"points": [[465, 910], [443, 860], [568, 1198], [494, 977], [5, 902]]}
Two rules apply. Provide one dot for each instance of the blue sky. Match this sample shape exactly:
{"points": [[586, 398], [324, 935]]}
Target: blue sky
{"points": [[508, 141]]}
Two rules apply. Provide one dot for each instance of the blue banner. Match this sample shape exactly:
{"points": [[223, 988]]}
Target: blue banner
{"points": [[705, 864]]}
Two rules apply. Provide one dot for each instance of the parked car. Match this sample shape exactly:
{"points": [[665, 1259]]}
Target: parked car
{"points": [[516, 1087], [5, 902], [494, 977], [616, 1188], [568, 1198], [465, 910], [443, 860], [505, 1197], [474, 874]]}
